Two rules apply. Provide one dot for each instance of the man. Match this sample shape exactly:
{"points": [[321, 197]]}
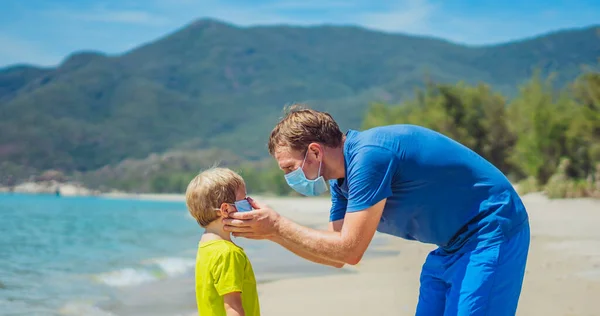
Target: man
{"points": [[410, 182]]}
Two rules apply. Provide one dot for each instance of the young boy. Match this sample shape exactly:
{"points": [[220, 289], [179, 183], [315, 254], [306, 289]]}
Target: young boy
{"points": [[225, 283]]}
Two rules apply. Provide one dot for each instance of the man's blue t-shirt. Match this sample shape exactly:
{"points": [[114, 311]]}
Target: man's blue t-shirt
{"points": [[438, 191]]}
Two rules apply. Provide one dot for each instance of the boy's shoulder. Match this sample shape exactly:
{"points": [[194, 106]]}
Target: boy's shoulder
{"points": [[220, 248]]}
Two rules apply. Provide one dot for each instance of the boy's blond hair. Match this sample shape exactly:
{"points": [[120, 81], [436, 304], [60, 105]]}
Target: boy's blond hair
{"points": [[208, 190], [302, 126]]}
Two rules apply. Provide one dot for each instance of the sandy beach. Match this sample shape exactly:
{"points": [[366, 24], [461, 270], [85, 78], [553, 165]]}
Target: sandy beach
{"points": [[562, 276]]}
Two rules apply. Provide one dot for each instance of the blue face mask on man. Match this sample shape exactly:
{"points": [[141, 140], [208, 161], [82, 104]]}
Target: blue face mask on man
{"points": [[297, 180]]}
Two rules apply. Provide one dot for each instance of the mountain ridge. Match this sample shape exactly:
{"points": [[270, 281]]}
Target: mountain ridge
{"points": [[214, 85], [203, 21]]}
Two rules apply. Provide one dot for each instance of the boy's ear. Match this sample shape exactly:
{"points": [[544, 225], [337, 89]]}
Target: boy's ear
{"points": [[224, 210]]}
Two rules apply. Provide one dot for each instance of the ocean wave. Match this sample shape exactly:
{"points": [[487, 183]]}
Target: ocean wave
{"points": [[83, 308], [173, 266], [147, 271]]}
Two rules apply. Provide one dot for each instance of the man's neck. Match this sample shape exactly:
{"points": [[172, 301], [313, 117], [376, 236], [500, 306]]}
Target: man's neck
{"points": [[337, 167]]}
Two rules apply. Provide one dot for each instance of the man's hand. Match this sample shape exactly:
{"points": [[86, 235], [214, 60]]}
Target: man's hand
{"points": [[261, 223]]}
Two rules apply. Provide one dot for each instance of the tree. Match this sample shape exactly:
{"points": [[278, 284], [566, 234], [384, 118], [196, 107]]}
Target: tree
{"points": [[540, 121]]}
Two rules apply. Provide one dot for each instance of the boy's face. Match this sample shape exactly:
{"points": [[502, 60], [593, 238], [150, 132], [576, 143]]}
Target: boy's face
{"points": [[240, 194]]}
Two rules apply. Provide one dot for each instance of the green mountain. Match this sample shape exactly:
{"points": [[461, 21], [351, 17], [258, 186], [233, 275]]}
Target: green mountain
{"points": [[216, 85]]}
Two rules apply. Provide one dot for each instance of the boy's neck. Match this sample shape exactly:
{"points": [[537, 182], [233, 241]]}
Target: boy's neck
{"points": [[215, 230]]}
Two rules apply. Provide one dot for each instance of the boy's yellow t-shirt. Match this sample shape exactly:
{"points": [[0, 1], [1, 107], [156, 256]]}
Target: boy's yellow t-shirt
{"points": [[222, 267]]}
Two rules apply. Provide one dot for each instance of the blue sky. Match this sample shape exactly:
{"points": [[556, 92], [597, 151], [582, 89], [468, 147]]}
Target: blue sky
{"points": [[43, 32]]}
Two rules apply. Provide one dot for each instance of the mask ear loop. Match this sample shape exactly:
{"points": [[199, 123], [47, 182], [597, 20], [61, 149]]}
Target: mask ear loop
{"points": [[320, 164], [304, 161]]}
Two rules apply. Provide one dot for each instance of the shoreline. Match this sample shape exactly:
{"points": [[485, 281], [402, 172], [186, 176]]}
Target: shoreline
{"points": [[73, 189], [78, 190], [271, 263], [563, 267], [180, 197], [176, 296], [166, 197]]}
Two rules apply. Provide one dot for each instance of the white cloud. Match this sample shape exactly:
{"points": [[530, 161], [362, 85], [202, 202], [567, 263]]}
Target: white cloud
{"points": [[399, 16], [137, 17], [178, 2], [411, 16], [15, 51], [275, 5], [311, 5], [243, 14], [114, 26], [131, 17]]}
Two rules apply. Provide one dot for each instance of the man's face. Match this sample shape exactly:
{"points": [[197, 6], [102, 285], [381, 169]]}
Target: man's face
{"points": [[290, 160]]}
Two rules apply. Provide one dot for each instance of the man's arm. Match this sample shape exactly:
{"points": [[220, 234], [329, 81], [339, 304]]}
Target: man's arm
{"points": [[348, 245], [233, 304], [307, 255], [336, 220], [334, 226]]}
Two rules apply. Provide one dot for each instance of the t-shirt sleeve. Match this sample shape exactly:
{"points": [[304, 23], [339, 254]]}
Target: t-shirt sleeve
{"points": [[338, 202], [228, 272], [370, 173]]}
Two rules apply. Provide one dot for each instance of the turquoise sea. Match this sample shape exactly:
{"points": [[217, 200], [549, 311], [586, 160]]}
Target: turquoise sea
{"points": [[56, 251], [98, 256]]}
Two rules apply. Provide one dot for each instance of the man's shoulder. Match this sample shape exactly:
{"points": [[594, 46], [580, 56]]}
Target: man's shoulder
{"points": [[386, 136], [396, 129], [369, 153]]}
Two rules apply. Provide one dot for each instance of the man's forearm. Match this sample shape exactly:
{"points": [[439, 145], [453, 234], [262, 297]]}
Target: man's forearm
{"points": [[307, 255], [326, 245]]}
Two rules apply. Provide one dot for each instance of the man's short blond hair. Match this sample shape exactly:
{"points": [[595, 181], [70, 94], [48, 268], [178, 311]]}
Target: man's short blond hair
{"points": [[208, 190], [302, 126]]}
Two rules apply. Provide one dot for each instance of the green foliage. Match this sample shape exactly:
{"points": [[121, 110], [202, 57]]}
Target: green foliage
{"points": [[549, 138], [214, 85], [560, 185], [552, 126], [269, 179], [528, 185], [587, 126], [538, 120], [259, 179], [171, 172], [170, 182]]}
